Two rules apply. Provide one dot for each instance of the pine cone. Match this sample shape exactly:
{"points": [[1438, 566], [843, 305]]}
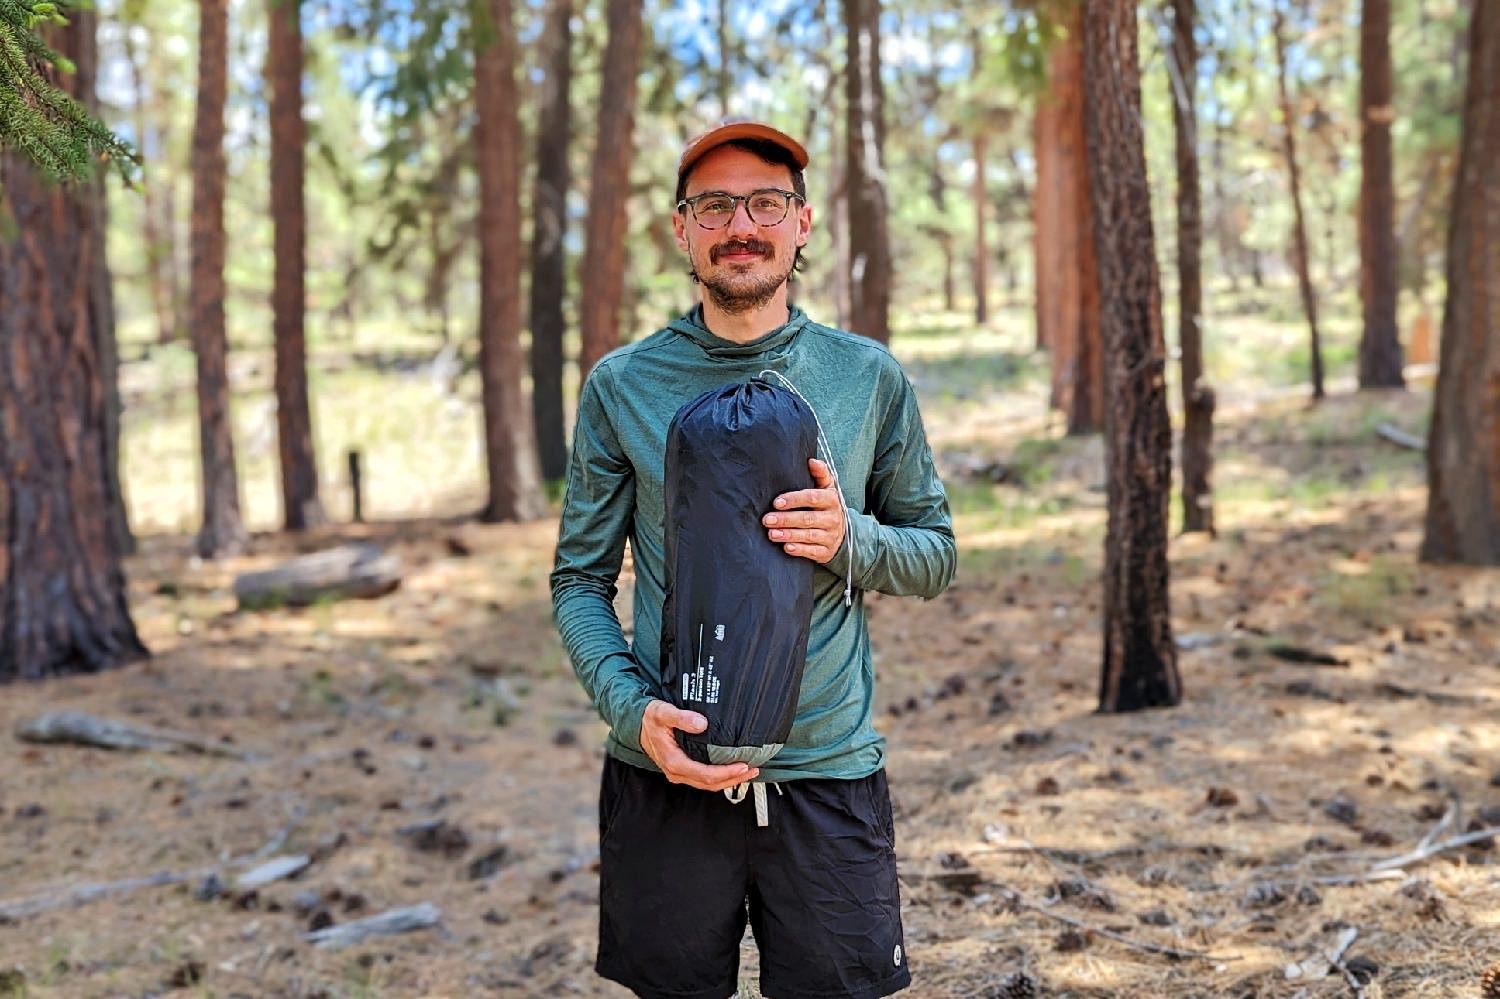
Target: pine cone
{"points": [[1489, 982], [1016, 985]]}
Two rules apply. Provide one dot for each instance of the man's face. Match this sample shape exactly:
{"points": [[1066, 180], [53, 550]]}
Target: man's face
{"points": [[742, 265]]}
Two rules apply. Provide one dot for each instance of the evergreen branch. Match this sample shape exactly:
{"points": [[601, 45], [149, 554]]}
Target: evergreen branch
{"points": [[39, 119]]}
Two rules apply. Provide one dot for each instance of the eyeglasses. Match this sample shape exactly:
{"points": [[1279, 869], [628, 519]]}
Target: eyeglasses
{"points": [[714, 209]]}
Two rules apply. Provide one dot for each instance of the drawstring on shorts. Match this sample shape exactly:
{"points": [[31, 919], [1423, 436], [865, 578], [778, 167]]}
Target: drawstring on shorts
{"points": [[739, 792]]}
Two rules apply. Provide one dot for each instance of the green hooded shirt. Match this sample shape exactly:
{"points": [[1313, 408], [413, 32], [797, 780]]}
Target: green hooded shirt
{"points": [[900, 538]]}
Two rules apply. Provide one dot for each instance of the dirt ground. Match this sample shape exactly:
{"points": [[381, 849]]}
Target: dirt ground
{"points": [[1220, 830]]}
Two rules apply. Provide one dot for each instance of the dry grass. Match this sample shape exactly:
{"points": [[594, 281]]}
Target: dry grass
{"points": [[451, 699]]}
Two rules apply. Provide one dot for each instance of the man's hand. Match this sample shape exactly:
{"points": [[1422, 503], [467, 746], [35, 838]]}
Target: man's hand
{"points": [[809, 523], [659, 740]]}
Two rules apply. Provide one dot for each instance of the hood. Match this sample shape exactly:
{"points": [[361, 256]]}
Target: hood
{"points": [[691, 326]]}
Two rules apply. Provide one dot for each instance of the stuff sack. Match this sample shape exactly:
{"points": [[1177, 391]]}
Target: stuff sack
{"points": [[735, 620]]}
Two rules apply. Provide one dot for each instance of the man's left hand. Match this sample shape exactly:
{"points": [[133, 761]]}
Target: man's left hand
{"points": [[809, 523]]}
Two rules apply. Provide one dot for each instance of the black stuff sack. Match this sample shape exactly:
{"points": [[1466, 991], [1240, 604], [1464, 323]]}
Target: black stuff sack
{"points": [[735, 620]]}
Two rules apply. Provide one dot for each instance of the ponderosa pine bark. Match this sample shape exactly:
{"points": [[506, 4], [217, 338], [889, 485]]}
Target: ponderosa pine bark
{"points": [[515, 490], [1463, 446], [1301, 257], [300, 505], [604, 252], [1140, 660], [1380, 360], [1067, 278], [1197, 395], [981, 243], [223, 532], [549, 224], [867, 198], [63, 606]]}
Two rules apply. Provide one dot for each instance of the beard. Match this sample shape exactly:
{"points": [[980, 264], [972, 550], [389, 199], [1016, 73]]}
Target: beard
{"points": [[738, 292]]}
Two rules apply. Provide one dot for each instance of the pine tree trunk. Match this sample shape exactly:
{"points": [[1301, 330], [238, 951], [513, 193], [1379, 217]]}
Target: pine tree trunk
{"points": [[605, 251], [1231, 252], [549, 226], [1380, 346], [722, 22], [1067, 305], [981, 247], [869, 238], [223, 532], [301, 507], [838, 220], [102, 321], [81, 46], [1463, 449], [515, 491], [1046, 206], [173, 257], [1140, 659], [63, 598], [158, 246], [1085, 402], [945, 244], [1300, 256], [1197, 396]]}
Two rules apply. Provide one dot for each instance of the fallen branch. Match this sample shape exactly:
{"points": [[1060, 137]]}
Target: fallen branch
{"points": [[1396, 435], [1071, 855], [275, 842], [1450, 820], [1304, 657], [1356, 879], [1016, 899], [1336, 959], [415, 917], [1321, 962], [92, 892], [1396, 690], [83, 894], [81, 729], [1433, 849], [272, 871]]}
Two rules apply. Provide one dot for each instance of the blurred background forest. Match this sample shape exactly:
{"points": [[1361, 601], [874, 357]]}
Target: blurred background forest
{"points": [[334, 295], [393, 209]]}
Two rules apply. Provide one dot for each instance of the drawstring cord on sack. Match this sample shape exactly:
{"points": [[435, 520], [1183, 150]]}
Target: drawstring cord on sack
{"points": [[737, 794], [834, 469]]}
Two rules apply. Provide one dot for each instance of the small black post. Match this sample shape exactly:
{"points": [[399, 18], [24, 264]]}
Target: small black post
{"points": [[355, 487]]}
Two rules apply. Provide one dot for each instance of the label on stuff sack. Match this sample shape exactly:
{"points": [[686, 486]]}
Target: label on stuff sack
{"points": [[702, 685]]}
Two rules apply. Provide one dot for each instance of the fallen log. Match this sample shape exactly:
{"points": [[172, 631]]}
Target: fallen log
{"points": [[414, 917], [359, 571], [1400, 437], [81, 729]]}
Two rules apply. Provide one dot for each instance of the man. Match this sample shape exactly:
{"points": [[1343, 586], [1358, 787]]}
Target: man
{"points": [[681, 867]]}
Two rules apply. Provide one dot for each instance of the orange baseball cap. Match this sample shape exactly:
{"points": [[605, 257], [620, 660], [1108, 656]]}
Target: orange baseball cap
{"points": [[731, 129]]}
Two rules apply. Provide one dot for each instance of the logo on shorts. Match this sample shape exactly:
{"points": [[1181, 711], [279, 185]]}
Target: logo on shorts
{"points": [[718, 633], [896, 957]]}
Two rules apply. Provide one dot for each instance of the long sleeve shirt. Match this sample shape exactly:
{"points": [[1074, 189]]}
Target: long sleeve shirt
{"points": [[900, 538]]}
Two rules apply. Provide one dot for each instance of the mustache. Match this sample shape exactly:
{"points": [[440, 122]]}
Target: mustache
{"points": [[741, 246]]}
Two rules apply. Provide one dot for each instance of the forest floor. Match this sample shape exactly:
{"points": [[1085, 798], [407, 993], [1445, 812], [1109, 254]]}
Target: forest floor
{"points": [[432, 746]]}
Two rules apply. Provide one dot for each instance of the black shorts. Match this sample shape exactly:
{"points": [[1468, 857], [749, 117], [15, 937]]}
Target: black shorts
{"points": [[681, 871]]}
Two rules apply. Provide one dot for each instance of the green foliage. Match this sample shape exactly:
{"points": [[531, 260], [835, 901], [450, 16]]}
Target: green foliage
{"points": [[37, 118]]}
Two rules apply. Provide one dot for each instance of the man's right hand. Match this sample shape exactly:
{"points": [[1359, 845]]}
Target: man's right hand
{"points": [[659, 740]]}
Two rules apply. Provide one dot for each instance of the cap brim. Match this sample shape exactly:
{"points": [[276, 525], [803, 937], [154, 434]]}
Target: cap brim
{"points": [[732, 131]]}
